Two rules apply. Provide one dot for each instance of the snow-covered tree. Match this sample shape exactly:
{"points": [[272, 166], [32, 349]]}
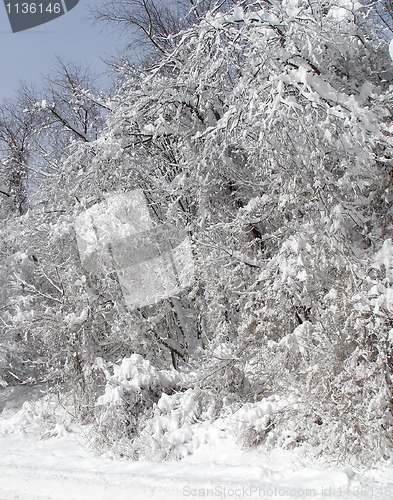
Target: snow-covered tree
{"points": [[264, 134]]}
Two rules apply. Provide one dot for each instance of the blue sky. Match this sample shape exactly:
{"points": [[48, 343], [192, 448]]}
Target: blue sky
{"points": [[27, 55]]}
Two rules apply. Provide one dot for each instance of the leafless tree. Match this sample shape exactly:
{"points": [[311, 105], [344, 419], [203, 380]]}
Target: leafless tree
{"points": [[152, 22], [16, 130]]}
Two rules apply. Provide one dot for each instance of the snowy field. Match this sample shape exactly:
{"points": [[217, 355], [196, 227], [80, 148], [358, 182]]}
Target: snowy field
{"points": [[59, 466]]}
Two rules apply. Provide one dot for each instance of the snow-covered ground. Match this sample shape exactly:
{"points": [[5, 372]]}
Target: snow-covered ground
{"points": [[61, 467]]}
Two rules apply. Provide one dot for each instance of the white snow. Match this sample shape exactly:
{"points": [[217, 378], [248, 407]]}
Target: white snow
{"points": [[61, 467]]}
